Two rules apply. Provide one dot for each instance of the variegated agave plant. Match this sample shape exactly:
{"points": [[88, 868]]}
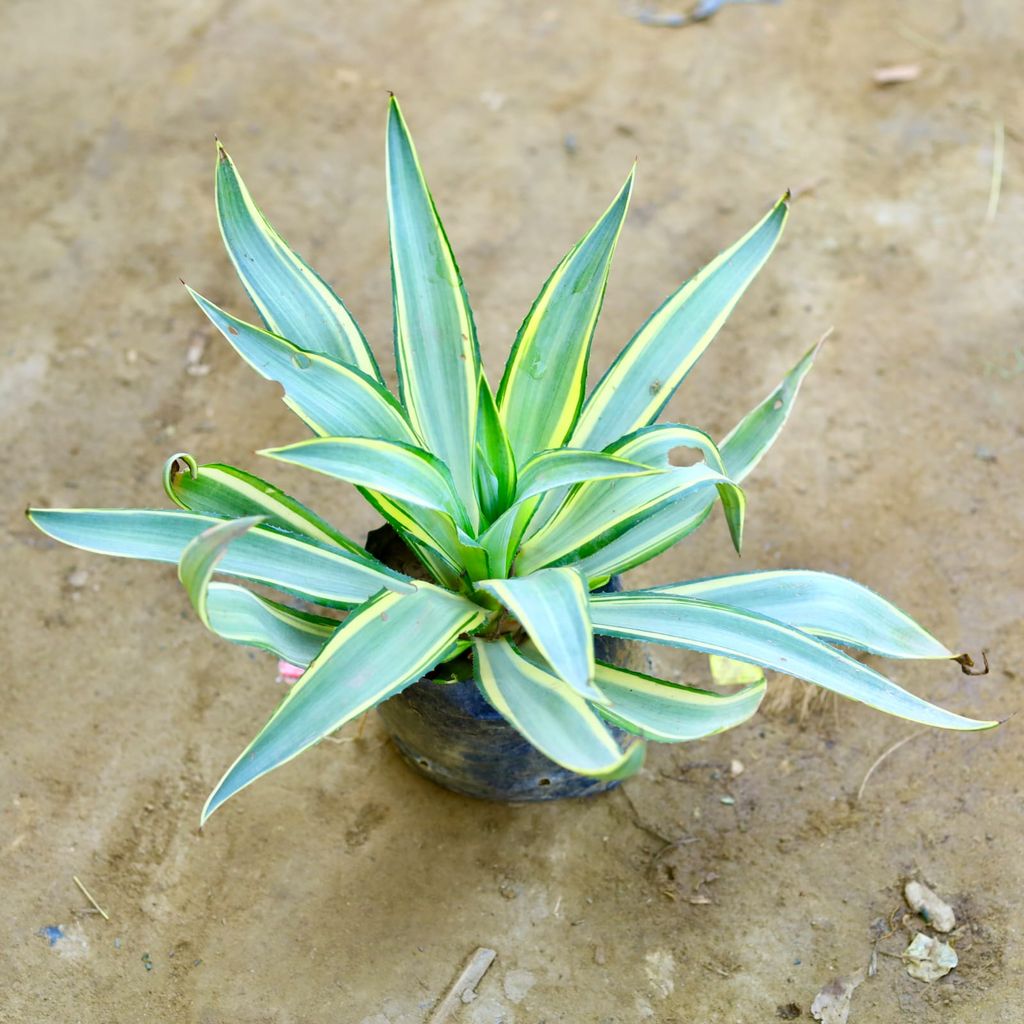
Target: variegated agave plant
{"points": [[519, 504]]}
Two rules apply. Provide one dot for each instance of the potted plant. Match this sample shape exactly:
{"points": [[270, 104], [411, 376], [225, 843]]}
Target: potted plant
{"points": [[487, 618]]}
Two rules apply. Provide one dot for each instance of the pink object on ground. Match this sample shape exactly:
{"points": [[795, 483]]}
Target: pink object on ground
{"points": [[287, 673]]}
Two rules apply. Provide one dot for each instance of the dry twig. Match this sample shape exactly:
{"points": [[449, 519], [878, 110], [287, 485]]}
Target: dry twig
{"points": [[89, 897], [996, 184], [896, 746], [469, 977]]}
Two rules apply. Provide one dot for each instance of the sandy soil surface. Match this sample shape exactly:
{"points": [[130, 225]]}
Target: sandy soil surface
{"points": [[342, 888]]}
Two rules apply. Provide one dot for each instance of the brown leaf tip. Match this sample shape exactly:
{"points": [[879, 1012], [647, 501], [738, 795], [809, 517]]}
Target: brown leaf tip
{"points": [[968, 667]]}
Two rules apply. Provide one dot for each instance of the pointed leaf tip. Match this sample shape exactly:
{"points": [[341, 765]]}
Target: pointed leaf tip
{"points": [[821, 341], [293, 301], [646, 373], [540, 395], [436, 349]]}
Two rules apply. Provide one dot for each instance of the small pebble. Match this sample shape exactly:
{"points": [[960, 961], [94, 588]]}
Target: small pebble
{"points": [[727, 800], [931, 908], [896, 74], [736, 767]]}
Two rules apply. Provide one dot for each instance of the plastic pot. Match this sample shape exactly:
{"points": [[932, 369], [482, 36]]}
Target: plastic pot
{"points": [[450, 734]]}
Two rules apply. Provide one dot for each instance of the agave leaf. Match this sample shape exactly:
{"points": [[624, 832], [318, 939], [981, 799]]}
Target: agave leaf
{"points": [[546, 473], [400, 471], [472, 556], [443, 534], [739, 452], [830, 607], [550, 714], [650, 368], [432, 536], [200, 557], [716, 629], [435, 339], [546, 374], [436, 539], [237, 614], [561, 467], [242, 617], [220, 490], [293, 300], [657, 532], [651, 446], [551, 605], [382, 647], [330, 577], [333, 399], [597, 513], [487, 488], [667, 712], [495, 463], [751, 438], [500, 540]]}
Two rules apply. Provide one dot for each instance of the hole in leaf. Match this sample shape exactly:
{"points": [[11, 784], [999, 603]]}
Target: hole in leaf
{"points": [[685, 456]]}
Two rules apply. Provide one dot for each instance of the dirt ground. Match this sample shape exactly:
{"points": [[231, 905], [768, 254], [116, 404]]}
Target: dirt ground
{"points": [[342, 888]]}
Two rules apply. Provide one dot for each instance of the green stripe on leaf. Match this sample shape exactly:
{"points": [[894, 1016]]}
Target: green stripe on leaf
{"points": [[220, 490], [435, 339], [545, 378]]}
